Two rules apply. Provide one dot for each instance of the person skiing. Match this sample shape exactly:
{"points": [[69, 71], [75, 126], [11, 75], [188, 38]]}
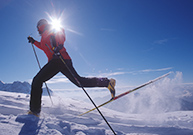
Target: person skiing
{"points": [[52, 43]]}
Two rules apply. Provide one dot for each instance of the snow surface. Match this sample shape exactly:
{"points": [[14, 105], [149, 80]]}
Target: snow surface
{"points": [[162, 108]]}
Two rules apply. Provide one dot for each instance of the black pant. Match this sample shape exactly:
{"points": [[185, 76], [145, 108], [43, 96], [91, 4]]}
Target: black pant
{"points": [[52, 68]]}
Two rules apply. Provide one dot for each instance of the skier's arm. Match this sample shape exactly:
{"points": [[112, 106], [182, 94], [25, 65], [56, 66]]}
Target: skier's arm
{"points": [[36, 43]]}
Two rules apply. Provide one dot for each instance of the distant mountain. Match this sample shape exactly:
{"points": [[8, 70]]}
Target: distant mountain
{"points": [[1, 83], [19, 87]]}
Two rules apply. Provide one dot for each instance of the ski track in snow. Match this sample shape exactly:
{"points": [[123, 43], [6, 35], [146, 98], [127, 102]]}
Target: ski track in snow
{"points": [[62, 119]]}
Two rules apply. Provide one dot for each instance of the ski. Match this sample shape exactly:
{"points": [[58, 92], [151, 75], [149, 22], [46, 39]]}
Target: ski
{"points": [[127, 92]]}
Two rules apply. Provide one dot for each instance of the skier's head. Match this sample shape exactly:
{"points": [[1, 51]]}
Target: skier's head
{"points": [[41, 25]]}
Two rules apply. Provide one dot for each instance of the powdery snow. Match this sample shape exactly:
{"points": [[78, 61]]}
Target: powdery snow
{"points": [[158, 109], [62, 119]]}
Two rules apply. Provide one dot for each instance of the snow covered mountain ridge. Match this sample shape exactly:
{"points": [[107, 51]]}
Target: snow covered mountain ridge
{"points": [[18, 87]]}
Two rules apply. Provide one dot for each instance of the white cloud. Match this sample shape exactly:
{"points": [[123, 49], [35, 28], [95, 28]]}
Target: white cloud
{"points": [[134, 72], [155, 70], [58, 79], [112, 74]]}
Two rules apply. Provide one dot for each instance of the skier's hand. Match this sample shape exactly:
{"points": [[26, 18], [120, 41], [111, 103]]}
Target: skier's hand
{"points": [[30, 40]]}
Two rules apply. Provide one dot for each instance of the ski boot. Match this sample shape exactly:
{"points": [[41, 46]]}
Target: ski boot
{"points": [[111, 87], [33, 113]]}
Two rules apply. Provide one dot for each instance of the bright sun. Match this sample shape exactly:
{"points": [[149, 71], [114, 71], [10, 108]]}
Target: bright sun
{"points": [[56, 24], [55, 21]]}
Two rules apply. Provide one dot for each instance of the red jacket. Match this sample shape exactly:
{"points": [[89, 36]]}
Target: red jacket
{"points": [[46, 46]]}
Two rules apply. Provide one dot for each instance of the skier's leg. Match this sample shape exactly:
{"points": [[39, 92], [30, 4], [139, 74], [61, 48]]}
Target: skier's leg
{"points": [[84, 81], [47, 72]]}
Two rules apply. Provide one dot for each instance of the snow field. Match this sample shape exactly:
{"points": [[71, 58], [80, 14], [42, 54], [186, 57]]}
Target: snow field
{"points": [[154, 110], [62, 119]]}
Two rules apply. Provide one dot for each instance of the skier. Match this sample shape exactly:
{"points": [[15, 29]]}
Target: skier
{"points": [[52, 44]]}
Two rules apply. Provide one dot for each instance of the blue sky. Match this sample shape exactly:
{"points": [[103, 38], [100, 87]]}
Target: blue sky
{"points": [[132, 41]]}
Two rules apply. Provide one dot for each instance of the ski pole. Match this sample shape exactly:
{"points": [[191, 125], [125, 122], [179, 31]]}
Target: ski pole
{"points": [[61, 58], [40, 69]]}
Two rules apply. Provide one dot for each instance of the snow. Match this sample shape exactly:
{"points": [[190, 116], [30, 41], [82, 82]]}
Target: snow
{"points": [[162, 108]]}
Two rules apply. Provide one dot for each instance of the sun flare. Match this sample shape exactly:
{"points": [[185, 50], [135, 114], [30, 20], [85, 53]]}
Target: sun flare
{"points": [[56, 24], [56, 21]]}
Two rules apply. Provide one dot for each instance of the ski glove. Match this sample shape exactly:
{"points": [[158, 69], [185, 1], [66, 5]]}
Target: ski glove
{"points": [[30, 40]]}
